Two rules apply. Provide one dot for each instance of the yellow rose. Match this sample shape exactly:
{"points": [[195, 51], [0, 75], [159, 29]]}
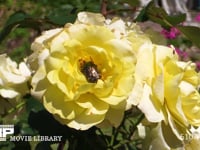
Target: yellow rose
{"points": [[159, 136], [192, 140], [182, 80], [192, 144], [84, 73], [166, 89]]}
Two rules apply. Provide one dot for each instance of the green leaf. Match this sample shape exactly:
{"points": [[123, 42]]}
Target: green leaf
{"points": [[142, 15], [153, 13], [157, 14], [160, 16], [62, 15], [22, 20], [177, 19], [133, 3], [191, 32], [61, 19], [33, 104], [11, 22], [18, 19], [5, 145]]}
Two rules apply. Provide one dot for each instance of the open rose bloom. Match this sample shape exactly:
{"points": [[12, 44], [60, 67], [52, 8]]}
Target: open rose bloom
{"points": [[84, 71], [166, 91], [89, 73]]}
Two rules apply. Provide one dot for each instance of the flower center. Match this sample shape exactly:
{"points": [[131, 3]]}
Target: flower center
{"points": [[90, 71]]}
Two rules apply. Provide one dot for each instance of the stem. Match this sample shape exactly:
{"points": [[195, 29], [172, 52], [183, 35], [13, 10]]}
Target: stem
{"points": [[104, 7], [17, 107], [113, 137], [61, 145], [121, 10], [139, 119], [115, 132], [102, 134], [120, 144]]}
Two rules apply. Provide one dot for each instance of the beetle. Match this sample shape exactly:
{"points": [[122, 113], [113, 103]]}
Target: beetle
{"points": [[90, 71]]}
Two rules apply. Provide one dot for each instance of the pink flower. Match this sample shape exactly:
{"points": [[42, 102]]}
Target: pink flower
{"points": [[198, 65], [170, 34], [197, 17], [181, 53]]}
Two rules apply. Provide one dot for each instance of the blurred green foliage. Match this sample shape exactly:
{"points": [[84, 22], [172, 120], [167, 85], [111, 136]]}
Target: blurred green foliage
{"points": [[21, 21]]}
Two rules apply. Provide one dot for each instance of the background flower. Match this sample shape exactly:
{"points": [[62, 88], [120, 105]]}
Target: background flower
{"points": [[197, 18], [12, 76], [182, 54], [87, 74], [198, 66], [171, 34], [158, 74], [13, 82]]}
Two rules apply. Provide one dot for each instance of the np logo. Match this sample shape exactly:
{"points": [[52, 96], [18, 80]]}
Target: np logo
{"points": [[5, 130]]}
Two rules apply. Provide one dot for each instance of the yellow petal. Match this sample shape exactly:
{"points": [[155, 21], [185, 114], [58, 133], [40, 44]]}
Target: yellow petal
{"points": [[90, 18], [148, 108], [92, 104]]}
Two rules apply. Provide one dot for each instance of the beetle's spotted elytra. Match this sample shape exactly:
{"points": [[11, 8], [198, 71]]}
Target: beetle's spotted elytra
{"points": [[90, 71]]}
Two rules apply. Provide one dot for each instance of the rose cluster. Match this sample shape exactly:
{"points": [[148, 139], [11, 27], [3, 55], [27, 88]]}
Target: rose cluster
{"points": [[90, 72]]}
